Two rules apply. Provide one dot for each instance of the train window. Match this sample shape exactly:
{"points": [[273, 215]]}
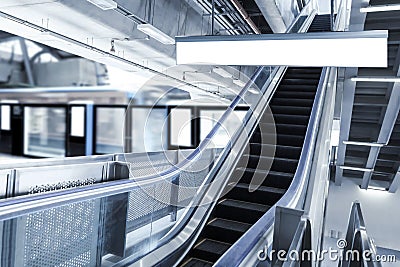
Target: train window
{"points": [[147, 137], [110, 130], [44, 131]]}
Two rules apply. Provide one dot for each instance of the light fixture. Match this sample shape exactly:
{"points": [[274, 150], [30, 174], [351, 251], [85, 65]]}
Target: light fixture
{"points": [[221, 72], [104, 4], [356, 169], [387, 79], [338, 49], [112, 49], [356, 143], [239, 83], [155, 33], [379, 8], [376, 188]]}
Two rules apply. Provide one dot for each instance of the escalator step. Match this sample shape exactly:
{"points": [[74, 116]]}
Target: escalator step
{"points": [[312, 82], [295, 94], [314, 70], [288, 152], [297, 87], [290, 110], [263, 195], [291, 119], [278, 164], [302, 75], [291, 129], [272, 178], [225, 230], [193, 262], [209, 250], [240, 211], [292, 102], [281, 139]]}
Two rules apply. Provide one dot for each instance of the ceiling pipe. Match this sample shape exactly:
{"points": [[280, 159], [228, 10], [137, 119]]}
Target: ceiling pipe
{"points": [[245, 16]]}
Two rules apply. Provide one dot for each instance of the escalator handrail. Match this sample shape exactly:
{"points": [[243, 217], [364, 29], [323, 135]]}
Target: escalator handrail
{"points": [[356, 225], [18, 206], [238, 252], [37, 202], [241, 249]]}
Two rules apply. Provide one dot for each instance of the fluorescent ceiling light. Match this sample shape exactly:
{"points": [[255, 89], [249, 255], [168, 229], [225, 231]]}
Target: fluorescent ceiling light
{"points": [[155, 33], [377, 188], [239, 83], [386, 79], [356, 169], [379, 8], [338, 49], [355, 143], [104, 4], [221, 72]]}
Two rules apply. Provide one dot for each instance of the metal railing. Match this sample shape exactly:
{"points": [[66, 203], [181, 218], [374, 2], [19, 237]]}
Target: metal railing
{"points": [[195, 215], [301, 242], [358, 242]]}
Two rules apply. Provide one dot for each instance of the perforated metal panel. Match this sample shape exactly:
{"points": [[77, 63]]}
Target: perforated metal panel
{"points": [[149, 200], [151, 163], [193, 176], [64, 236]]}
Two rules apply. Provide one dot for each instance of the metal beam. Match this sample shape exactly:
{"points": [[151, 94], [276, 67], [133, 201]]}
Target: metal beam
{"points": [[388, 122], [395, 182], [357, 23], [349, 88], [27, 63]]}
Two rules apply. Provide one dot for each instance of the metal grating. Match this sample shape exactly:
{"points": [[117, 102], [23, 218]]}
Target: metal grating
{"points": [[148, 200], [63, 236]]}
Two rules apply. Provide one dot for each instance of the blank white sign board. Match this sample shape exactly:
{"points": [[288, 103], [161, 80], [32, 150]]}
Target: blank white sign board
{"points": [[337, 49]]}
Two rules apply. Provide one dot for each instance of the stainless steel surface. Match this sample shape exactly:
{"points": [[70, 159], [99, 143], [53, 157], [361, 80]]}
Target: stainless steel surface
{"points": [[395, 182], [370, 108], [388, 123], [357, 239], [4, 174]]}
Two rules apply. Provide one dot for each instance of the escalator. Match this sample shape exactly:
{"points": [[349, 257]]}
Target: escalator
{"points": [[238, 210], [135, 220]]}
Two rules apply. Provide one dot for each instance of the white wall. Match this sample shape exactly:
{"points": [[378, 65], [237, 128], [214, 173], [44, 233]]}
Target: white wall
{"points": [[324, 6], [380, 210]]}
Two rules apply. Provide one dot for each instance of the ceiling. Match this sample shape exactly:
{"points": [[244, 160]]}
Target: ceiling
{"points": [[83, 29]]}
